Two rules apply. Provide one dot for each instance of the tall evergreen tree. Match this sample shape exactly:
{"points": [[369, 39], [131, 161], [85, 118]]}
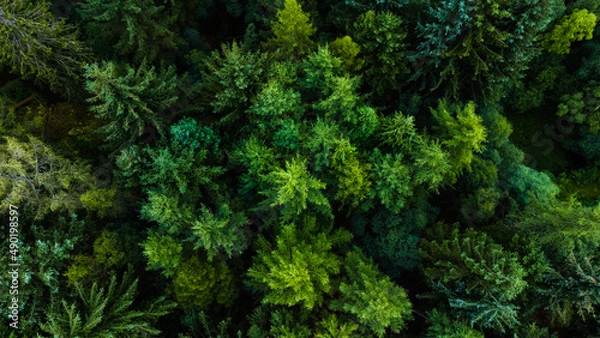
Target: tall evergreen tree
{"points": [[129, 99], [36, 44]]}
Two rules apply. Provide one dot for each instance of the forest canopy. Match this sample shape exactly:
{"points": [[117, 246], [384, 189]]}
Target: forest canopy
{"points": [[300, 168]]}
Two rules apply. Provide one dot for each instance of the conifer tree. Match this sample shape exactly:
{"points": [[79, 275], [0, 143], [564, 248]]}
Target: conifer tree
{"points": [[129, 99], [378, 303], [292, 30], [104, 312], [131, 27], [31, 174], [36, 44], [299, 268]]}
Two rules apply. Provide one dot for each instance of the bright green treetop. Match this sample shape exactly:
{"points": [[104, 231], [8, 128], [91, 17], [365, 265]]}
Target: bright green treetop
{"points": [[576, 26], [292, 30]]}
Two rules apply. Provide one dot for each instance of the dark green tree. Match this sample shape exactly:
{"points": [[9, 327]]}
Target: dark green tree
{"points": [[484, 42], [381, 40], [477, 276], [129, 99], [130, 27]]}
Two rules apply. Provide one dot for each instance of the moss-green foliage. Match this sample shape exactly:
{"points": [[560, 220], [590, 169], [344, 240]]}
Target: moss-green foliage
{"points": [[129, 99], [561, 227], [108, 255], [200, 283], [33, 176], [38, 45], [102, 201], [292, 30], [378, 304], [219, 232], [293, 188], [298, 269], [582, 107], [347, 50], [163, 252], [576, 26], [333, 327]]}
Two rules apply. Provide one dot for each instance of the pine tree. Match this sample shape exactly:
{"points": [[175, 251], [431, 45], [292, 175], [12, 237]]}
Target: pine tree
{"points": [[483, 42], [292, 30], [293, 188], [381, 39], [31, 174], [461, 132], [37, 45], [131, 27], [377, 303], [477, 276], [299, 268], [129, 99], [105, 312]]}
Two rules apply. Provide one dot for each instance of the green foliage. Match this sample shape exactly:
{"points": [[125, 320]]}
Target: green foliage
{"points": [[531, 184], [293, 188], [347, 50], [392, 181], [561, 227], [31, 174], [479, 278], [279, 322], [572, 290], [298, 269], [131, 27], [200, 283], [576, 26], [104, 312], [292, 30], [320, 68], [102, 201], [163, 253], [582, 107], [219, 232], [391, 239], [444, 327], [379, 304], [483, 42], [462, 133], [431, 164], [332, 327], [38, 45], [129, 99], [381, 39], [108, 254], [259, 160], [232, 79]]}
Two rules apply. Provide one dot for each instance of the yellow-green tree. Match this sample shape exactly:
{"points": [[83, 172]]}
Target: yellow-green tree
{"points": [[292, 30]]}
